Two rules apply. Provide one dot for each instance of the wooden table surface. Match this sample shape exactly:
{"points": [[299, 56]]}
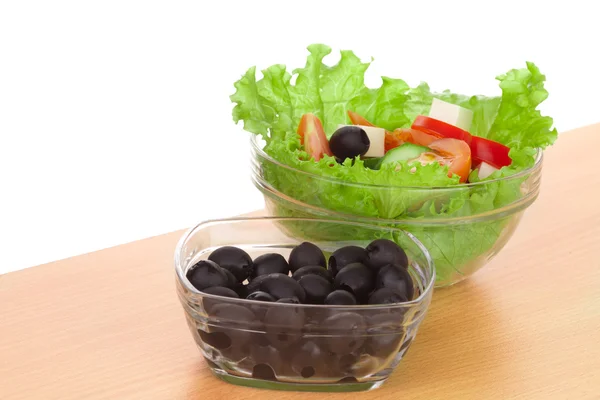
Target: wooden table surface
{"points": [[108, 325]]}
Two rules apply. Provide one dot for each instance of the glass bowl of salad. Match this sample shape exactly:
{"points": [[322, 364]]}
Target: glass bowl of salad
{"points": [[456, 171], [460, 240], [278, 330]]}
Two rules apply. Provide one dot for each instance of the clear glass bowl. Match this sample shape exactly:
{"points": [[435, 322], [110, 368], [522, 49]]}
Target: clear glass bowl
{"points": [[462, 226], [299, 346]]}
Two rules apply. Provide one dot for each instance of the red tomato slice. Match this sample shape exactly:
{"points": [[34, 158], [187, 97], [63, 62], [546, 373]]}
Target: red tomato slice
{"points": [[457, 155], [493, 153], [312, 136], [440, 128]]}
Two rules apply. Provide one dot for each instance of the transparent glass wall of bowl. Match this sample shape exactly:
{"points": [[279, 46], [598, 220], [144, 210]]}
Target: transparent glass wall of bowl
{"points": [[462, 226], [299, 347]]}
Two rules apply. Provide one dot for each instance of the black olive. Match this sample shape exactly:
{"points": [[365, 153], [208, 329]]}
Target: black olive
{"points": [[396, 278], [264, 372], [316, 287], [205, 274], [262, 299], [254, 284], [236, 353], [387, 296], [384, 345], [240, 289], [235, 321], [312, 270], [355, 278], [384, 321], [348, 332], [236, 286], [223, 342], [268, 355], [218, 340], [233, 259], [221, 291], [310, 360], [340, 298], [260, 296], [385, 335], [383, 251], [268, 264], [218, 291], [281, 286], [346, 255], [233, 315], [233, 282], [314, 319], [283, 324], [289, 300], [306, 254], [349, 142]]}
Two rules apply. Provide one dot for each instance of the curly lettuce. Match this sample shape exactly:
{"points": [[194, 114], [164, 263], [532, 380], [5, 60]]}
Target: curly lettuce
{"points": [[272, 107]]}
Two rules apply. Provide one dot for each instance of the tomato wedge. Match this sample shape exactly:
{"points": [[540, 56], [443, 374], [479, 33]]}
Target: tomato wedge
{"points": [[456, 154], [394, 139], [312, 136], [493, 153], [415, 136], [357, 119], [439, 128]]}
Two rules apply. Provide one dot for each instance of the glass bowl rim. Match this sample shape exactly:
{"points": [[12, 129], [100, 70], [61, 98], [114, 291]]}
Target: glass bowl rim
{"points": [[179, 270], [536, 167]]}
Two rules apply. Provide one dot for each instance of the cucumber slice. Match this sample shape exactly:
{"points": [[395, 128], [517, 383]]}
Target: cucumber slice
{"points": [[405, 152]]}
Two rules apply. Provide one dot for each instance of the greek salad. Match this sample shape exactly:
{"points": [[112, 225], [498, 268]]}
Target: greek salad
{"points": [[442, 137], [378, 152]]}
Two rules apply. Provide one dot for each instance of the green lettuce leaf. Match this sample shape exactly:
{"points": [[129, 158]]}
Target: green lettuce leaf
{"points": [[340, 84], [518, 124], [380, 106], [250, 108], [306, 93]]}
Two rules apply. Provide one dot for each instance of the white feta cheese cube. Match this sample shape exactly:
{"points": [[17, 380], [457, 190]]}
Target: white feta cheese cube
{"points": [[451, 114], [485, 170]]}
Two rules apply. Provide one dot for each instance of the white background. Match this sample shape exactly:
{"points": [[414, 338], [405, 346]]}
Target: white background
{"points": [[115, 121]]}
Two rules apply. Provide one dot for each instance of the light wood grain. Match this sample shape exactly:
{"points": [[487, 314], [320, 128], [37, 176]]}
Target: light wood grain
{"points": [[108, 325]]}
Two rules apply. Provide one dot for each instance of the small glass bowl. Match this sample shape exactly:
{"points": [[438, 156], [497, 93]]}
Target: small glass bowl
{"points": [[484, 215], [299, 347]]}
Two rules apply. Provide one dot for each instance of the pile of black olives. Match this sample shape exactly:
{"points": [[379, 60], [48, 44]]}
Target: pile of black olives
{"points": [[321, 343], [353, 275]]}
